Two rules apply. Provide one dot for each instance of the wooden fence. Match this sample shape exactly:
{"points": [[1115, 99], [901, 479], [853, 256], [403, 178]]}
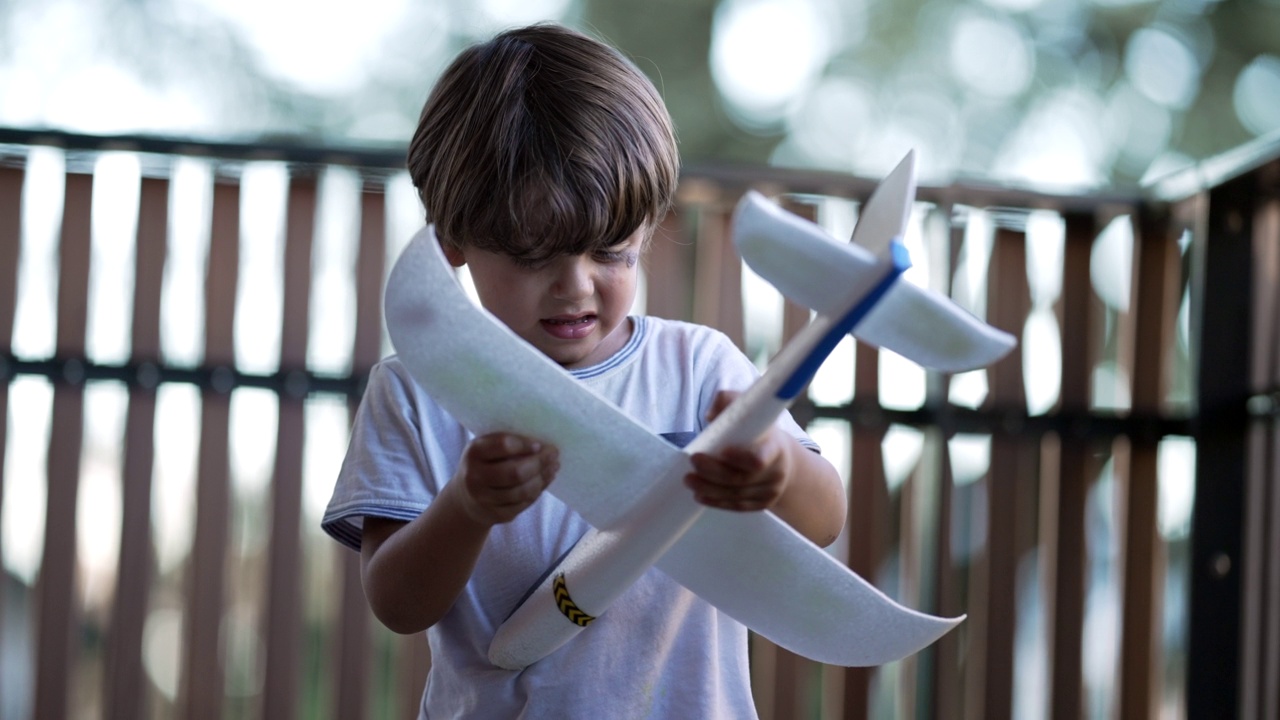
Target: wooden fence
{"points": [[186, 328]]}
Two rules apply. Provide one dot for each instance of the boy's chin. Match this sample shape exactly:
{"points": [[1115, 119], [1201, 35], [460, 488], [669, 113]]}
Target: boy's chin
{"points": [[571, 360]]}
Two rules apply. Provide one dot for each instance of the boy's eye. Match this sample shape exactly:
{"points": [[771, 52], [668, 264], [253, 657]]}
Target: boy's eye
{"points": [[527, 264], [616, 256]]}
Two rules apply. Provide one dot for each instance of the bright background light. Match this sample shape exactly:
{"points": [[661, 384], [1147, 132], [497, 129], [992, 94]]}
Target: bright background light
{"points": [[765, 52], [1072, 93]]}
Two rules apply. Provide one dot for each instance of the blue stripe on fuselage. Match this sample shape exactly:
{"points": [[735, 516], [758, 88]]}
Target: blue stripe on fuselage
{"points": [[805, 371]]}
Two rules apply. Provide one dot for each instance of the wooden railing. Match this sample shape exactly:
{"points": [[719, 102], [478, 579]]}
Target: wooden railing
{"points": [[158, 496]]}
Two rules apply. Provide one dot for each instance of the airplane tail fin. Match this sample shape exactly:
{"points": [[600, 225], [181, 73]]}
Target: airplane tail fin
{"points": [[884, 216], [810, 267]]}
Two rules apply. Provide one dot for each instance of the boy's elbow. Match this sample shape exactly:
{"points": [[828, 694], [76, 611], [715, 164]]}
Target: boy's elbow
{"points": [[398, 615], [400, 624], [832, 528], [396, 610], [830, 523]]}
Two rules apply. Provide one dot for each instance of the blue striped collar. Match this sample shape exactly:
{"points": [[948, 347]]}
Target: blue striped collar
{"points": [[623, 355]]}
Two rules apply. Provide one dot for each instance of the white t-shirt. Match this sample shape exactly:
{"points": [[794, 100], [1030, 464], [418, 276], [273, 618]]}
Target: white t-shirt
{"points": [[659, 651]]}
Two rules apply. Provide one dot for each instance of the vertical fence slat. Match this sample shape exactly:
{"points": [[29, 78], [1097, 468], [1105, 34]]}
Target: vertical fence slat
{"points": [[1221, 296], [124, 690], [283, 618], [717, 285], [668, 268], [707, 266], [946, 698], [1074, 474], [58, 611], [794, 315], [948, 666], [352, 683], [11, 180], [1270, 605], [1263, 476], [786, 674], [730, 319], [924, 518], [1008, 304], [1269, 668], [413, 662], [868, 508], [1157, 283], [203, 674], [1252, 621]]}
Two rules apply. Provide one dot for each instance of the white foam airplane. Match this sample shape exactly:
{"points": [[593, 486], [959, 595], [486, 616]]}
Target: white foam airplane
{"points": [[752, 566]]}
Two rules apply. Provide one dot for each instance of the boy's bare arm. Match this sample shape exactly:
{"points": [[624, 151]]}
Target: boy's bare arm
{"points": [[412, 572], [814, 501]]}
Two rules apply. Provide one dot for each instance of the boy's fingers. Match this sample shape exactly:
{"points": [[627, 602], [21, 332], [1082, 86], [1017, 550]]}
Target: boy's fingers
{"points": [[732, 485], [752, 497], [721, 401], [498, 446], [535, 471], [729, 466], [505, 473], [532, 470]]}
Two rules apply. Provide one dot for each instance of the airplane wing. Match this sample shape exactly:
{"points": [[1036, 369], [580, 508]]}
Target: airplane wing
{"points": [[762, 573], [750, 565], [805, 263], [491, 380]]}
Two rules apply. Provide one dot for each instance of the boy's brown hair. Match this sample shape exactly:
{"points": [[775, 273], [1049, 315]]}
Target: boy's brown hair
{"points": [[542, 142]]}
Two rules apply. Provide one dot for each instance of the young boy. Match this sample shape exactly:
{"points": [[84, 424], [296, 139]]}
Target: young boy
{"points": [[546, 160]]}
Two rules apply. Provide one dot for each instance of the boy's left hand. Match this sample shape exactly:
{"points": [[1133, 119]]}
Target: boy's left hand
{"points": [[741, 478]]}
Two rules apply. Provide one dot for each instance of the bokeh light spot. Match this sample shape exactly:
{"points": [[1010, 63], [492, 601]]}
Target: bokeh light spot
{"points": [[1057, 144], [764, 53], [1162, 67], [1013, 5], [322, 46], [829, 124], [1111, 263], [1139, 128], [991, 55], [523, 12], [1257, 95]]}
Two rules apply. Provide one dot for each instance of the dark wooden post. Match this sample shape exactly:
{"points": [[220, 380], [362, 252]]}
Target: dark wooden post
{"points": [[1221, 316], [11, 181], [125, 690], [717, 286], [1260, 629], [354, 648], [1074, 475], [1008, 303], [58, 610], [282, 620], [1157, 282], [203, 674]]}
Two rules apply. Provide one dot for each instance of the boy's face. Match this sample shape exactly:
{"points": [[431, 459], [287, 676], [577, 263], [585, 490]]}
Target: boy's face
{"points": [[573, 307]]}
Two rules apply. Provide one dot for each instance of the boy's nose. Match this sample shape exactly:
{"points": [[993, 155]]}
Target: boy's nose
{"points": [[573, 280]]}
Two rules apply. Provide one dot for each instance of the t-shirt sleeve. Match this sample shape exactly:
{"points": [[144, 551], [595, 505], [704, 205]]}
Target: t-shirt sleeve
{"points": [[402, 448]]}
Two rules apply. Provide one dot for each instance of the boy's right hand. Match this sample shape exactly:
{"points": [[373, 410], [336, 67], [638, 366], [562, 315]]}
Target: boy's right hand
{"points": [[502, 474]]}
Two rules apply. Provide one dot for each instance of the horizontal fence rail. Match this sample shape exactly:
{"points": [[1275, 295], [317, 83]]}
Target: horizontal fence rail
{"points": [[187, 328]]}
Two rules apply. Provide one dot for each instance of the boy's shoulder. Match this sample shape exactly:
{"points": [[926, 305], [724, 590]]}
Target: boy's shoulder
{"points": [[665, 331], [680, 338], [681, 328], [390, 368]]}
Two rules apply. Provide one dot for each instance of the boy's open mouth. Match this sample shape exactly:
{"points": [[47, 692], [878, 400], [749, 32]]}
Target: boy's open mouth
{"points": [[570, 328]]}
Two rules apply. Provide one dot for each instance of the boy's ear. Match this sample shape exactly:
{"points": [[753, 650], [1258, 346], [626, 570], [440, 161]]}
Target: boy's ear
{"points": [[453, 254]]}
